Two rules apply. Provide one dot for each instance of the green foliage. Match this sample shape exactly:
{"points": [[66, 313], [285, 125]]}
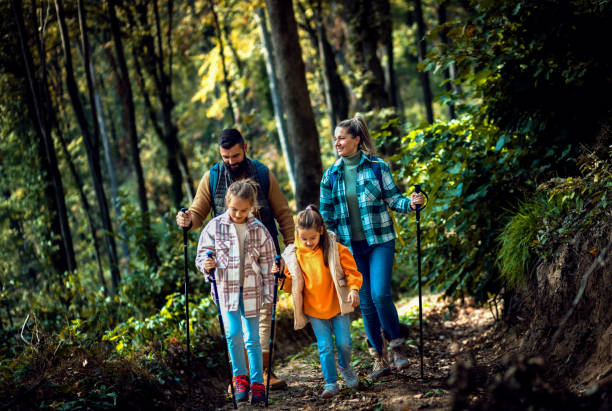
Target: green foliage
{"points": [[471, 172], [518, 238], [561, 209], [535, 66]]}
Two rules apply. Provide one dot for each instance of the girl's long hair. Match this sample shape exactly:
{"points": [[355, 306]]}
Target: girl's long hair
{"points": [[357, 127], [309, 218]]}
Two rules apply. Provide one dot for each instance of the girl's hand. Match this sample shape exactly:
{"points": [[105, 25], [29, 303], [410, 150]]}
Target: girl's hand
{"points": [[353, 298], [416, 198], [209, 264], [275, 269]]}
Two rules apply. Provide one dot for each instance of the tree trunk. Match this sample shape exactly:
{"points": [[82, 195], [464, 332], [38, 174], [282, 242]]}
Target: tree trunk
{"points": [[363, 35], [64, 259], [296, 101], [97, 119], [281, 125], [91, 146], [86, 208], [422, 49], [386, 25], [449, 73], [336, 94], [154, 65], [129, 119], [226, 81]]}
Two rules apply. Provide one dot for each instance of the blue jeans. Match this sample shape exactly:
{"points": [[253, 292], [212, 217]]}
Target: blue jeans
{"points": [[340, 327], [375, 263], [237, 326]]}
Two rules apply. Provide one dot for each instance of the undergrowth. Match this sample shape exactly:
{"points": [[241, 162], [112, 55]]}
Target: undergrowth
{"points": [[556, 214]]}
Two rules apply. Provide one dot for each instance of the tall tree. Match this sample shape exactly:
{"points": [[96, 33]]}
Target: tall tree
{"points": [[363, 37], [336, 95], [64, 259], [422, 50], [449, 73], [129, 120], [226, 80], [148, 53], [281, 124], [91, 146], [296, 101], [386, 34]]}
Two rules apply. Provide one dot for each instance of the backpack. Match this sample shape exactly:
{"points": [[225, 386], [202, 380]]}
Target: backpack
{"points": [[262, 175], [378, 173]]}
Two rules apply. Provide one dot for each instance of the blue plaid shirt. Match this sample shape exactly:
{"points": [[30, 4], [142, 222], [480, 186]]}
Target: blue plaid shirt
{"points": [[373, 202]]}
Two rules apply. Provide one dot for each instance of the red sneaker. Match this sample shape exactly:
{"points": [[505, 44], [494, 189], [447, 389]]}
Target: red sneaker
{"points": [[241, 382], [258, 393]]}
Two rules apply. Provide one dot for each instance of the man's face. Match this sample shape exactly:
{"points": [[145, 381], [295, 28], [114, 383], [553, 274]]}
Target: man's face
{"points": [[234, 158]]}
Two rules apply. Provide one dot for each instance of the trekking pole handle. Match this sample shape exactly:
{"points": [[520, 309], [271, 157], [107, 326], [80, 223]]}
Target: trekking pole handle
{"points": [[185, 229], [211, 274], [277, 261], [417, 189]]}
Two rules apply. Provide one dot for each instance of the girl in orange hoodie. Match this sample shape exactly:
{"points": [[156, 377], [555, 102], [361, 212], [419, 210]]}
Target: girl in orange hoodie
{"points": [[323, 279]]}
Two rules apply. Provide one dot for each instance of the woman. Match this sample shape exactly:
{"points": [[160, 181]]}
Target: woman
{"points": [[355, 193]]}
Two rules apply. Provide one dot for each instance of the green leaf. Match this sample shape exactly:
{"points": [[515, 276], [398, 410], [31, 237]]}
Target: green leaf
{"points": [[500, 143]]}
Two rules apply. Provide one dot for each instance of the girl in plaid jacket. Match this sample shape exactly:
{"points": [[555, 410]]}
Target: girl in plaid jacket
{"points": [[243, 259]]}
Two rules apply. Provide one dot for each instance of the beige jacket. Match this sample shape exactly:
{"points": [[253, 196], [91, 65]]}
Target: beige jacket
{"points": [[297, 281]]}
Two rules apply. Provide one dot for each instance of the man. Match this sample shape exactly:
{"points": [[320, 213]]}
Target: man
{"points": [[273, 206]]}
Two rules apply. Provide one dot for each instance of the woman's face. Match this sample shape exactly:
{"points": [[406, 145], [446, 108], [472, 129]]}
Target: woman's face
{"points": [[345, 143]]}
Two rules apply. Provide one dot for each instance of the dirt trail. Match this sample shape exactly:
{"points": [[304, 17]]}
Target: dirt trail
{"points": [[446, 335]]}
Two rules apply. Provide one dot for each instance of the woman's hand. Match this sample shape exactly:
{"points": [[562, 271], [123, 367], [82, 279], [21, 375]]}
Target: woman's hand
{"points": [[209, 264], [275, 269], [416, 198], [353, 298]]}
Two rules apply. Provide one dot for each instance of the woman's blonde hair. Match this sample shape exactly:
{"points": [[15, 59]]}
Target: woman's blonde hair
{"points": [[310, 217], [357, 127], [243, 189]]}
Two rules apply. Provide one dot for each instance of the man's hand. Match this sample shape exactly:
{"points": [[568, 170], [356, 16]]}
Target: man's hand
{"points": [[183, 219]]}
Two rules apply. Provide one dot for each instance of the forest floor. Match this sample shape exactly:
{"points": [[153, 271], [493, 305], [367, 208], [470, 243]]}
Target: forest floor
{"points": [[449, 333]]}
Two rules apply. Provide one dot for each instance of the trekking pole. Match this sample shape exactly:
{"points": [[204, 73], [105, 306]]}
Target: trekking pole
{"points": [[418, 209], [278, 275], [211, 278], [185, 230]]}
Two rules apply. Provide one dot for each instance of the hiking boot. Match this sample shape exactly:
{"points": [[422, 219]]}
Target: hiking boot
{"points": [[380, 367], [329, 391], [398, 354], [350, 377], [258, 393], [275, 382], [241, 382]]}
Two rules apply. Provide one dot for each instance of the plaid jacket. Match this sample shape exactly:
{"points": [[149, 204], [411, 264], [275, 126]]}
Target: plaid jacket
{"points": [[373, 201], [220, 237]]}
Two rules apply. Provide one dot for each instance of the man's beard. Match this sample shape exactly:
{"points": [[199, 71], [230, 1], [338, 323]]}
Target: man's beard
{"points": [[238, 169]]}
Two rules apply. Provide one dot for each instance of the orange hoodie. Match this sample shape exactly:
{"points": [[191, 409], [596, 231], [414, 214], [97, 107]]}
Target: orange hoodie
{"points": [[320, 296]]}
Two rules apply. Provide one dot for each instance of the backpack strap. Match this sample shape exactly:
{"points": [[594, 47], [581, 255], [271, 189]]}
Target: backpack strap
{"points": [[263, 173], [378, 172], [214, 178]]}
